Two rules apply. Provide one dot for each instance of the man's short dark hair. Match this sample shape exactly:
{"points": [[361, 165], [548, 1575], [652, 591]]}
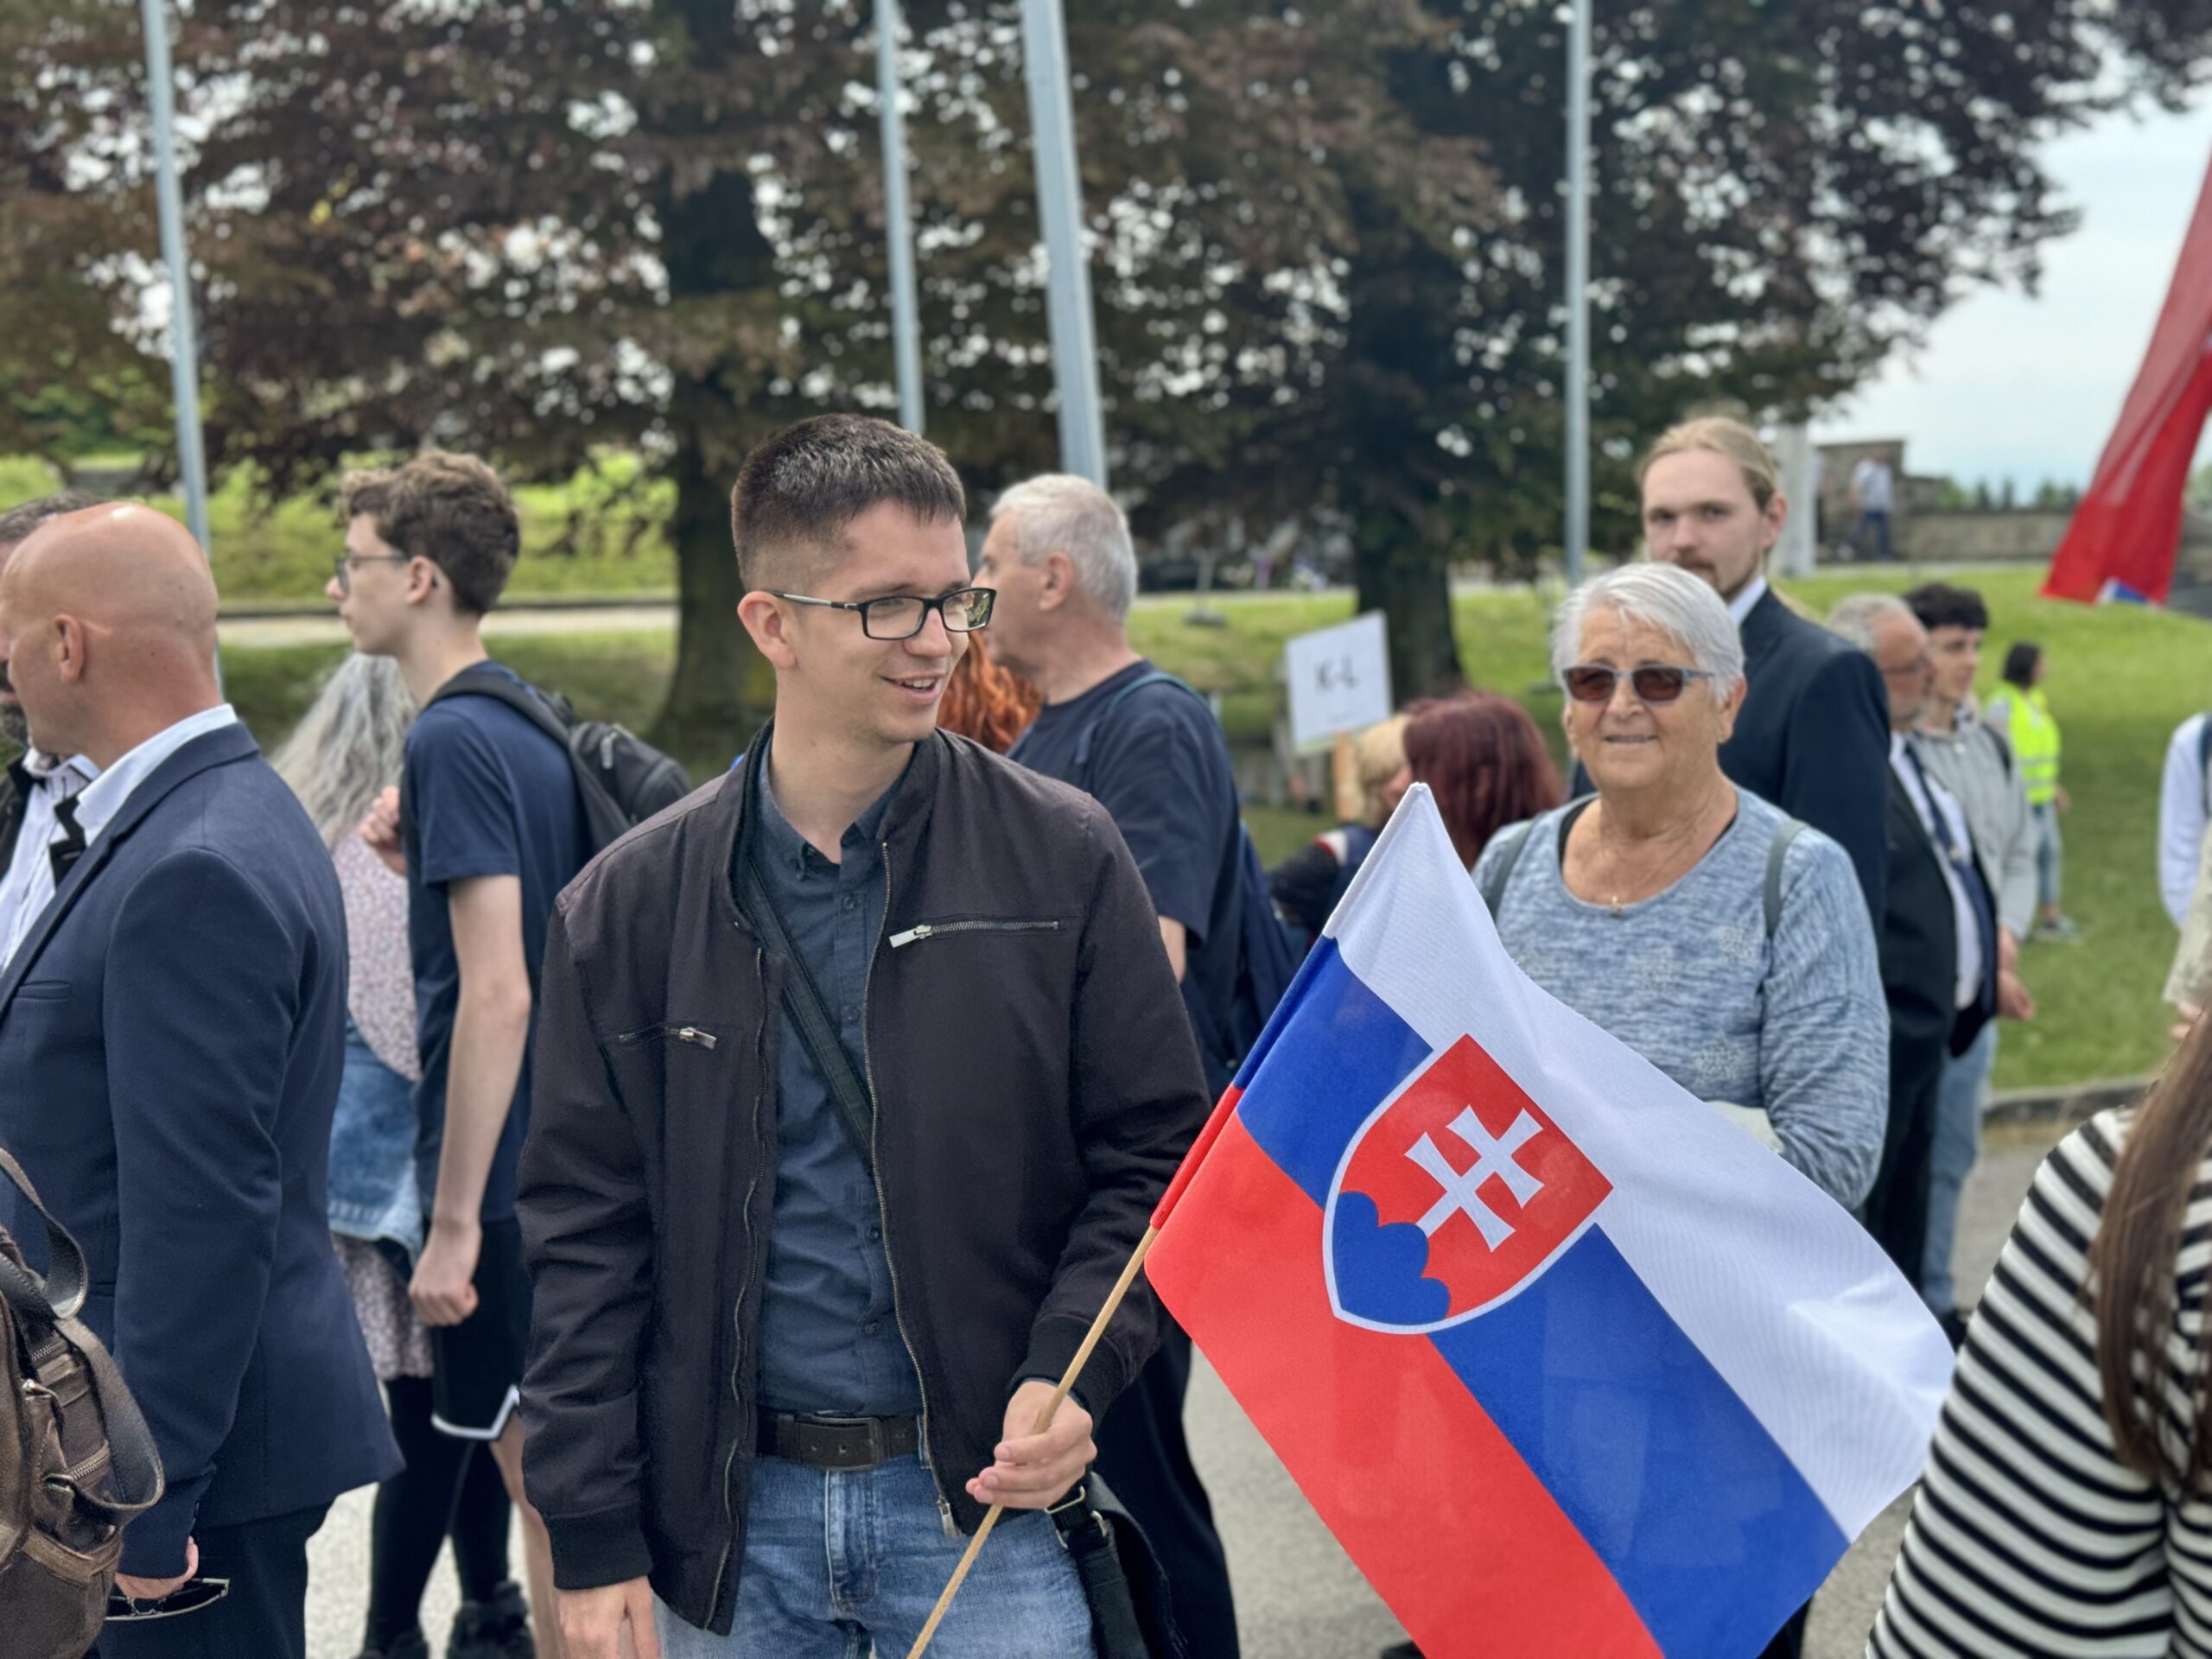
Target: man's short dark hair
{"points": [[1939, 605], [450, 509], [798, 491], [18, 523]]}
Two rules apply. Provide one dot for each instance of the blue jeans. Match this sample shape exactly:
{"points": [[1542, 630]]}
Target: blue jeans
{"points": [[2050, 850], [1957, 1144], [839, 1565]]}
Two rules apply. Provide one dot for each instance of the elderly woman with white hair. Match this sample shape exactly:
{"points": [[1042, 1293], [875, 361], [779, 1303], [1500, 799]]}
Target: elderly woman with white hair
{"points": [[1723, 941]]}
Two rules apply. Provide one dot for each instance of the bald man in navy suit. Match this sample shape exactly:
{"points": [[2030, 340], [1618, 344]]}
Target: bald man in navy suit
{"points": [[172, 1021]]}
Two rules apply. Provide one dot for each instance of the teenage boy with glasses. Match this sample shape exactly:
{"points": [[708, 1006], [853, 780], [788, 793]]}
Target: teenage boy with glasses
{"points": [[495, 829], [862, 1069]]}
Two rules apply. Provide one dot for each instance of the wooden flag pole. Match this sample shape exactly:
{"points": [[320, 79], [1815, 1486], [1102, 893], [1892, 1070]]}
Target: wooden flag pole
{"points": [[1044, 1422]]}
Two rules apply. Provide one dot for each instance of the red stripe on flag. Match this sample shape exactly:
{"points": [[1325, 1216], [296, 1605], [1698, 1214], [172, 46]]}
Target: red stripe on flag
{"points": [[1425, 1493], [1224, 1108]]}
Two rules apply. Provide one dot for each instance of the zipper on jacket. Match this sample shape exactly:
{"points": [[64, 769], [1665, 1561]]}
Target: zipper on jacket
{"points": [[922, 931], [737, 1306], [690, 1034], [883, 1207]]}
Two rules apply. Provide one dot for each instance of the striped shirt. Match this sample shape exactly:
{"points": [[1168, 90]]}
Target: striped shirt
{"points": [[2029, 1536]]}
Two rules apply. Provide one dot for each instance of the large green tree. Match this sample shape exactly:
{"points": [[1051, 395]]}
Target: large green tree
{"points": [[1326, 239]]}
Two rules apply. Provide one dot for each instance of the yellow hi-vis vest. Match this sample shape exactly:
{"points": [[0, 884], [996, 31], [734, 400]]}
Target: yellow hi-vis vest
{"points": [[2035, 740]]}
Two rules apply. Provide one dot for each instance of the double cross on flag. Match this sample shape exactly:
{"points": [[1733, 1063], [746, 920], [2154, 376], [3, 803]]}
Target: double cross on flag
{"points": [[1569, 1363]]}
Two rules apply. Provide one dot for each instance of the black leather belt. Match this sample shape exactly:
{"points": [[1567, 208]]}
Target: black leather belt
{"points": [[838, 1442]]}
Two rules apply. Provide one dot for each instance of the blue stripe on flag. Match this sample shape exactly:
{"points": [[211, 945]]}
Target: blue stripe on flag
{"points": [[1333, 1050], [1711, 1533]]}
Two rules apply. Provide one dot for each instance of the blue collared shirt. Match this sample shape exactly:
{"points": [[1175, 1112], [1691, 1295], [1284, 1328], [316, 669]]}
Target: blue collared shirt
{"points": [[829, 1341]]}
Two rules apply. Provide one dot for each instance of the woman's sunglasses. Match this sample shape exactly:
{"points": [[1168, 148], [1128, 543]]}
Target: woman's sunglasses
{"points": [[1653, 683]]}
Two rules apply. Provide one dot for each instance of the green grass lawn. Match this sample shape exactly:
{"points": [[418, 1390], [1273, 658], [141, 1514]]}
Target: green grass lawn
{"points": [[2121, 678], [279, 553]]}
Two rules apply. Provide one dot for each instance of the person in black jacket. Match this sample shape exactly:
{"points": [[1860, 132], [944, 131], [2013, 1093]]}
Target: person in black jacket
{"points": [[1814, 734], [860, 1073], [172, 1030]]}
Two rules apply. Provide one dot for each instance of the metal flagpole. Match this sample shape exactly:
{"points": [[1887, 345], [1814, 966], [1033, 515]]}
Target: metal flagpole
{"points": [[184, 343], [184, 346], [1578, 291], [1059, 206], [898, 220]]}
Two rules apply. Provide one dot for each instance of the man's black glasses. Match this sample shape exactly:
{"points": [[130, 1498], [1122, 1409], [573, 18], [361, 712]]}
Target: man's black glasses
{"points": [[1655, 683], [900, 616]]}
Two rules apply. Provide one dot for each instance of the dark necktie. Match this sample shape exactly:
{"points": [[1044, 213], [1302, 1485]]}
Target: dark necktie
{"points": [[65, 849], [1969, 873]]}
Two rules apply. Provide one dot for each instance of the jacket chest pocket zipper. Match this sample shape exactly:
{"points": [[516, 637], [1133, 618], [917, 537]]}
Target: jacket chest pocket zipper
{"points": [[922, 931], [690, 1034]]}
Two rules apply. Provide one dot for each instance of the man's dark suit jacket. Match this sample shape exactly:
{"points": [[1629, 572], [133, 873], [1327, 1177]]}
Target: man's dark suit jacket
{"points": [[1919, 955], [171, 1035], [1814, 735]]}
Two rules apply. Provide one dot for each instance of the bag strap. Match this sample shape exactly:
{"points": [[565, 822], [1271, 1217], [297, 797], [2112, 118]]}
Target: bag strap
{"points": [[1775, 854], [50, 1305], [802, 997], [1080, 765], [1501, 873], [66, 1277]]}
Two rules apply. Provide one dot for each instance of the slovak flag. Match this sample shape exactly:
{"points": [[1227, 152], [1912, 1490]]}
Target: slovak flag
{"points": [[1569, 1363]]}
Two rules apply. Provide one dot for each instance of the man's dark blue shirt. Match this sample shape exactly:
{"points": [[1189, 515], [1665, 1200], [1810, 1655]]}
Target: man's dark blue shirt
{"points": [[1157, 761], [830, 1343], [487, 793]]}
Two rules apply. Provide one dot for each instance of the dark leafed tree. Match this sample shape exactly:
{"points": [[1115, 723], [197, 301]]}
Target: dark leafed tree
{"points": [[1326, 239]]}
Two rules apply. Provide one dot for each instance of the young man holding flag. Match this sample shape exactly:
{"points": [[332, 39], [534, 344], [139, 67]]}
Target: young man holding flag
{"points": [[859, 1072]]}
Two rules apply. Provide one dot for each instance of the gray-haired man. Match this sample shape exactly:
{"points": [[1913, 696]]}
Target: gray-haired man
{"points": [[34, 785], [1153, 756]]}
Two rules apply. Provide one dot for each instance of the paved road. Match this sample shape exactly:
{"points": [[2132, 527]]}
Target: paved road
{"points": [[1301, 1597]]}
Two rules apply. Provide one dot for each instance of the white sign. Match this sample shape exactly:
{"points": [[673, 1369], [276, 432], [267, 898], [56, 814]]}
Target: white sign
{"points": [[1339, 680]]}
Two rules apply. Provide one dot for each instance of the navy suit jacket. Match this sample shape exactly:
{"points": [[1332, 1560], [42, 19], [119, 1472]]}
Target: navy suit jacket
{"points": [[171, 1035], [1814, 737]]}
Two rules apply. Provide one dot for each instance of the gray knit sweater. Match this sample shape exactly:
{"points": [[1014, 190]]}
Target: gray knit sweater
{"points": [[1795, 1027]]}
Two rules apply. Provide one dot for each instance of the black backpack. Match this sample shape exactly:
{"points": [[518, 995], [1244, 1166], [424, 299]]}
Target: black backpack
{"points": [[621, 779], [1267, 959]]}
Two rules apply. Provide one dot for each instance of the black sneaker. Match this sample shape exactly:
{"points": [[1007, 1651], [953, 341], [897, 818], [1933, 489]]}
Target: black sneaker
{"points": [[409, 1646], [497, 1629]]}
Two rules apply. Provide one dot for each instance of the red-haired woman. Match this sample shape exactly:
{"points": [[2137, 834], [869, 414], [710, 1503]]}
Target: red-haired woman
{"points": [[993, 705], [1484, 760]]}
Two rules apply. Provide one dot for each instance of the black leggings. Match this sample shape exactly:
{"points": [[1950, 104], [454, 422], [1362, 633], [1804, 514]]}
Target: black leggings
{"points": [[449, 1487]]}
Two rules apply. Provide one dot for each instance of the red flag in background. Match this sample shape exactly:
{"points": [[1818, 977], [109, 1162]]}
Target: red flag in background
{"points": [[2128, 526]]}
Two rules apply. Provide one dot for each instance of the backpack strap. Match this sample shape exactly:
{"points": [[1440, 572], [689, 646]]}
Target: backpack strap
{"points": [[1775, 854], [2204, 757], [1501, 873], [1081, 763]]}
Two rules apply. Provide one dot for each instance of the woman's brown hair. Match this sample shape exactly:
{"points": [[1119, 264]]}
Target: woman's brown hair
{"points": [[1484, 760], [993, 705], [2133, 1264]]}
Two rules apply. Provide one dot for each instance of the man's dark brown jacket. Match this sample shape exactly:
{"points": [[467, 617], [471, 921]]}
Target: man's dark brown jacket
{"points": [[1034, 1083]]}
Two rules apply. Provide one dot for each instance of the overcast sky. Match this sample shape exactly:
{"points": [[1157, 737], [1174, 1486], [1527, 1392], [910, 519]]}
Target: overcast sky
{"points": [[2030, 388]]}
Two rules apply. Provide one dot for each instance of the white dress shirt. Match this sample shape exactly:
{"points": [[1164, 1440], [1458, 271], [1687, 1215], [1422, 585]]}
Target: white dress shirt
{"points": [[2181, 817], [1929, 798], [97, 804], [52, 782], [1740, 607]]}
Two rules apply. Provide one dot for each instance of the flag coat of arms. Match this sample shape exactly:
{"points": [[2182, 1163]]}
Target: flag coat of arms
{"points": [[1569, 1363]]}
